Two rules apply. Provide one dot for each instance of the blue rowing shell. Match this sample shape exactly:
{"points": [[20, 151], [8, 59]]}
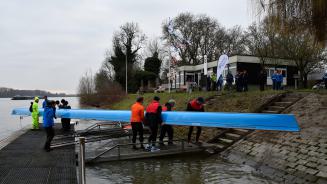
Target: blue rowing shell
{"points": [[257, 121]]}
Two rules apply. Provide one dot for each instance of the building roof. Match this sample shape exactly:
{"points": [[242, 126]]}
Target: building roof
{"points": [[240, 59]]}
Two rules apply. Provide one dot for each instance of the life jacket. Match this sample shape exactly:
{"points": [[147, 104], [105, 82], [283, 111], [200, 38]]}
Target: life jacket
{"points": [[195, 105], [153, 107]]}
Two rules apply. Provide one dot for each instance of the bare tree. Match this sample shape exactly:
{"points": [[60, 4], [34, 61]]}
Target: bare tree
{"points": [[305, 51], [310, 15]]}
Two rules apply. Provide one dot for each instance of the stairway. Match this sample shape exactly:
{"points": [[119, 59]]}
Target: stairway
{"points": [[230, 136]]}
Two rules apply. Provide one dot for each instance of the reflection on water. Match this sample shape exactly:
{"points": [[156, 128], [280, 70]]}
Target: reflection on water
{"points": [[189, 170]]}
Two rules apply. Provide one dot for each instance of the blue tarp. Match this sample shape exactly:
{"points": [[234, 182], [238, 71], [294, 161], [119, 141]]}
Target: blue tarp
{"points": [[280, 122]]}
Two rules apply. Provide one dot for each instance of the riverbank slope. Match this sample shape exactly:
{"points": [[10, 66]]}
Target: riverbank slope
{"points": [[299, 157]]}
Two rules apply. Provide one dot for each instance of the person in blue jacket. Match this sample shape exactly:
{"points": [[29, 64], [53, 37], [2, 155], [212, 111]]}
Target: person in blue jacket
{"points": [[48, 122], [325, 80], [279, 80], [45, 102], [274, 80]]}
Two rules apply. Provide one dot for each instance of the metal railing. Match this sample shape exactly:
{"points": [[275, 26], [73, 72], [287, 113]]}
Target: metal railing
{"points": [[81, 164]]}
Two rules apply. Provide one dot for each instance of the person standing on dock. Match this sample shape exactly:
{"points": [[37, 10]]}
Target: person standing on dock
{"points": [[45, 102], [48, 122], [137, 119], [167, 128], [35, 114], [153, 119], [195, 105]]}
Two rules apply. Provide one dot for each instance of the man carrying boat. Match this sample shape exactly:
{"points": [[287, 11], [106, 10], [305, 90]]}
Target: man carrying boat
{"points": [[153, 119], [137, 119], [167, 128], [195, 105], [35, 114], [48, 122]]}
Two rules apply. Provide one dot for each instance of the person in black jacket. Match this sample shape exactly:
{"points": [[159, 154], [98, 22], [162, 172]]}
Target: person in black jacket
{"points": [[262, 79], [195, 105], [245, 78], [167, 128], [153, 119]]}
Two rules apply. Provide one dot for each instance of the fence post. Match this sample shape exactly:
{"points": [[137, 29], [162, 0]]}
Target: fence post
{"points": [[182, 145], [81, 163]]}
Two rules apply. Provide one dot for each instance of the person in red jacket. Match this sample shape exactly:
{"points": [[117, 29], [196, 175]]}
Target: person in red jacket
{"points": [[137, 118], [153, 119], [195, 105], [167, 128]]}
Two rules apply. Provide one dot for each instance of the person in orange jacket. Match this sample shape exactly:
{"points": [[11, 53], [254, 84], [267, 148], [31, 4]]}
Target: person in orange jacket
{"points": [[137, 119], [167, 128]]}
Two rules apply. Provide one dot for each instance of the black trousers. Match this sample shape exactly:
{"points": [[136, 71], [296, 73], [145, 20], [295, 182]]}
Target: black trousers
{"points": [[137, 127], [245, 85], [166, 129], [262, 86], [153, 133], [65, 122], [198, 133], [50, 135]]}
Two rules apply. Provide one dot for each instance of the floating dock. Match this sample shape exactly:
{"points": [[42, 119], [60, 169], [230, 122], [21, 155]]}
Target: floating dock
{"points": [[126, 152], [25, 161]]}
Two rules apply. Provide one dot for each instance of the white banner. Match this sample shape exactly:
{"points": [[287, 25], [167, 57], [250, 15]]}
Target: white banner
{"points": [[205, 65], [222, 62]]}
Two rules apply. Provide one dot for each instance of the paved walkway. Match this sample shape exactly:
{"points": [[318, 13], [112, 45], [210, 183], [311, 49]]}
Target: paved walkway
{"points": [[25, 161]]}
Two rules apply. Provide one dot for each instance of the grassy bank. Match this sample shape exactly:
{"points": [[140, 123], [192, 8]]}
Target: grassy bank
{"points": [[226, 102], [180, 98]]}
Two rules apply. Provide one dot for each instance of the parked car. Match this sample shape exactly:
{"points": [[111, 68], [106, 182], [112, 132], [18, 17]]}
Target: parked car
{"points": [[319, 85], [160, 89]]}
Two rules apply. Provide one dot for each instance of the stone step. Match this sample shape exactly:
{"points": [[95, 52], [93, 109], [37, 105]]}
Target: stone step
{"points": [[220, 146], [284, 104], [275, 108], [270, 112], [289, 99], [225, 140], [233, 136], [241, 131]]}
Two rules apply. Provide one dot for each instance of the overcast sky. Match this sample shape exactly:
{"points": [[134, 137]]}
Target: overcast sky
{"points": [[49, 44]]}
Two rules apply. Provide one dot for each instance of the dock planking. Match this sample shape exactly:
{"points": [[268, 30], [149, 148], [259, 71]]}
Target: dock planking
{"points": [[25, 161], [125, 152]]}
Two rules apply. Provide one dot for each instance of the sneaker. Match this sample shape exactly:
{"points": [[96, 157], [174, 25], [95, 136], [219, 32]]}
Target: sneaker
{"points": [[154, 149]]}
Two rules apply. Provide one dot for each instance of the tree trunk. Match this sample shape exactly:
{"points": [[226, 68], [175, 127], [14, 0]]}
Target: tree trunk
{"points": [[305, 80], [302, 79]]}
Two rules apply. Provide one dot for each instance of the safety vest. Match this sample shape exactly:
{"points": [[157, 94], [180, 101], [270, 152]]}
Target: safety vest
{"points": [[153, 107]]}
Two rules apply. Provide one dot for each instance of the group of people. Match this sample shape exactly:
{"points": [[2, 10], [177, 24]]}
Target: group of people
{"points": [[49, 114], [153, 120], [241, 81], [277, 80]]}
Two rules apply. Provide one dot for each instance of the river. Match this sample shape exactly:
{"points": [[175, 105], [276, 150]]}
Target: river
{"points": [[196, 169]]}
